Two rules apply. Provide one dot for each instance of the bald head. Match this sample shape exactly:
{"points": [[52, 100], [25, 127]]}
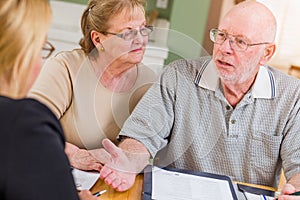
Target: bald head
{"points": [[253, 18]]}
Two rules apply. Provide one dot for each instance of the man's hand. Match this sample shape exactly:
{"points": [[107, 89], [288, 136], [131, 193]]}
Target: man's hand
{"points": [[101, 155], [119, 172], [286, 190]]}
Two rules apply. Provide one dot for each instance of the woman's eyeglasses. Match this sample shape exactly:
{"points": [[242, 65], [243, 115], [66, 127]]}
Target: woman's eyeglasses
{"points": [[47, 50], [129, 35]]}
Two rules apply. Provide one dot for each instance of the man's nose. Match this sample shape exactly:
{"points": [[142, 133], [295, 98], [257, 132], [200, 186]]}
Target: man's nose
{"points": [[225, 47]]}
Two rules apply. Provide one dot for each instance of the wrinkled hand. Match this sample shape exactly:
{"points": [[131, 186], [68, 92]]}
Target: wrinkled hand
{"points": [[87, 195], [286, 190], [82, 159], [119, 172], [101, 155]]}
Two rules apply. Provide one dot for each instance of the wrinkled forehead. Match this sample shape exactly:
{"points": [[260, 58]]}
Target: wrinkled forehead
{"points": [[127, 18], [132, 12], [239, 26], [252, 20], [129, 15], [247, 26]]}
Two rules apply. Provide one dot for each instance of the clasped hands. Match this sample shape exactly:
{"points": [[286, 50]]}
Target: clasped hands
{"points": [[113, 163], [118, 169]]}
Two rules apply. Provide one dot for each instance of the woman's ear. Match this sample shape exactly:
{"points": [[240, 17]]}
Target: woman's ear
{"points": [[268, 53], [96, 37]]}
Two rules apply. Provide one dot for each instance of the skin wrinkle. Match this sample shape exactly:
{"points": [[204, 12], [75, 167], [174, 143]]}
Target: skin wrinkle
{"points": [[250, 11]]}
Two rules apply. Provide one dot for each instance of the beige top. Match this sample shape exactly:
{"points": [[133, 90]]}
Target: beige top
{"points": [[88, 111]]}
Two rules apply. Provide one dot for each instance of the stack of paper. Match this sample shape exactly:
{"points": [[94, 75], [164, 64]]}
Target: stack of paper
{"points": [[172, 185], [84, 180]]}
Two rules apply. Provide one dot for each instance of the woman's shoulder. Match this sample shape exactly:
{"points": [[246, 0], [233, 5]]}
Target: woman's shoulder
{"points": [[69, 59], [65, 63], [33, 106], [20, 106], [73, 54], [28, 114]]}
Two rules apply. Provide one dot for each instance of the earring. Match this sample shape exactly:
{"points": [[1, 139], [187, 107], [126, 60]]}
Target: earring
{"points": [[100, 47]]}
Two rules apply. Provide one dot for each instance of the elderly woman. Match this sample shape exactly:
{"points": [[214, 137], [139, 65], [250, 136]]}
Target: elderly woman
{"points": [[93, 90], [33, 162]]}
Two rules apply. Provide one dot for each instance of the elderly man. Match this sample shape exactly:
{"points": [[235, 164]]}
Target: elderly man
{"points": [[231, 114]]}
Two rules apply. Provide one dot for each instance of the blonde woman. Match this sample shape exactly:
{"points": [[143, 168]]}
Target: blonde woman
{"points": [[33, 163], [93, 90]]}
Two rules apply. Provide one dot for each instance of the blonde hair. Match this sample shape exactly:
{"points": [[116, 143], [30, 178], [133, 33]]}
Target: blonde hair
{"points": [[97, 15], [23, 30]]}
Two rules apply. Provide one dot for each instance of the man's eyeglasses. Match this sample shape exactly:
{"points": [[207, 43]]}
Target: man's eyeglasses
{"points": [[129, 35], [238, 43], [47, 50]]}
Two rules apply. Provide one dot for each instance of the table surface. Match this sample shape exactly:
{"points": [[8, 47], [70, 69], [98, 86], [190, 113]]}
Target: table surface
{"points": [[135, 193]]}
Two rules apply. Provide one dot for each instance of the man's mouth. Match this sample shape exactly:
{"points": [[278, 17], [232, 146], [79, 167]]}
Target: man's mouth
{"points": [[224, 63]]}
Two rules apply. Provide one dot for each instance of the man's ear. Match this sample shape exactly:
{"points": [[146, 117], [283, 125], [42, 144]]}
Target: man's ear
{"points": [[268, 53]]}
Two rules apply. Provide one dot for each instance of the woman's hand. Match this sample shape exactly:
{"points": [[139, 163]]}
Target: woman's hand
{"points": [[82, 159], [87, 195]]}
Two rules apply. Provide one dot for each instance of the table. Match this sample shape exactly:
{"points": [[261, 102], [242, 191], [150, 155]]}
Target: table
{"points": [[257, 186], [135, 193]]}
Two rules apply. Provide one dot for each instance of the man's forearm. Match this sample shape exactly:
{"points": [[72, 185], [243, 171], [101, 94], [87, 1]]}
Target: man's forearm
{"points": [[136, 152], [295, 181]]}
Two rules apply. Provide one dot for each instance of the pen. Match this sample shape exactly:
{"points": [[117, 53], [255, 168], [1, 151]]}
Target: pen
{"points": [[295, 193], [264, 196], [97, 194]]}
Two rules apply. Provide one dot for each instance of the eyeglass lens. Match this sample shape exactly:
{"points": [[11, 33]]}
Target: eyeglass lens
{"points": [[237, 42], [129, 35]]}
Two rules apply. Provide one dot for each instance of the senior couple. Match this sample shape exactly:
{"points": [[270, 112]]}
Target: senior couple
{"points": [[230, 114]]}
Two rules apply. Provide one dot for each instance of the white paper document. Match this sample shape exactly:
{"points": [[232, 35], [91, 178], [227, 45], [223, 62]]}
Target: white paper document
{"points": [[84, 180], [251, 196], [170, 185]]}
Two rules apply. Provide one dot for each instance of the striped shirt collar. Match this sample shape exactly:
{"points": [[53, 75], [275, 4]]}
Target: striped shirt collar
{"points": [[264, 85]]}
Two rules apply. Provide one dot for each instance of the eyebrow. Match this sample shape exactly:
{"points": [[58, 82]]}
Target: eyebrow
{"points": [[130, 28], [236, 35]]}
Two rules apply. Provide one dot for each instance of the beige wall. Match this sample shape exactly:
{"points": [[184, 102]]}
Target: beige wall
{"points": [[226, 5]]}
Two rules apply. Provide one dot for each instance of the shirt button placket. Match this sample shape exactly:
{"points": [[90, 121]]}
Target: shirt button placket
{"points": [[227, 107], [232, 129]]}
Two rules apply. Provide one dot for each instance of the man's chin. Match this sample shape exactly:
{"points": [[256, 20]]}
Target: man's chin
{"points": [[228, 78]]}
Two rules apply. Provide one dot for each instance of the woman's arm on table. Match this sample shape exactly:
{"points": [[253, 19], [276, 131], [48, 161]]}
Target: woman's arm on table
{"points": [[81, 158]]}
